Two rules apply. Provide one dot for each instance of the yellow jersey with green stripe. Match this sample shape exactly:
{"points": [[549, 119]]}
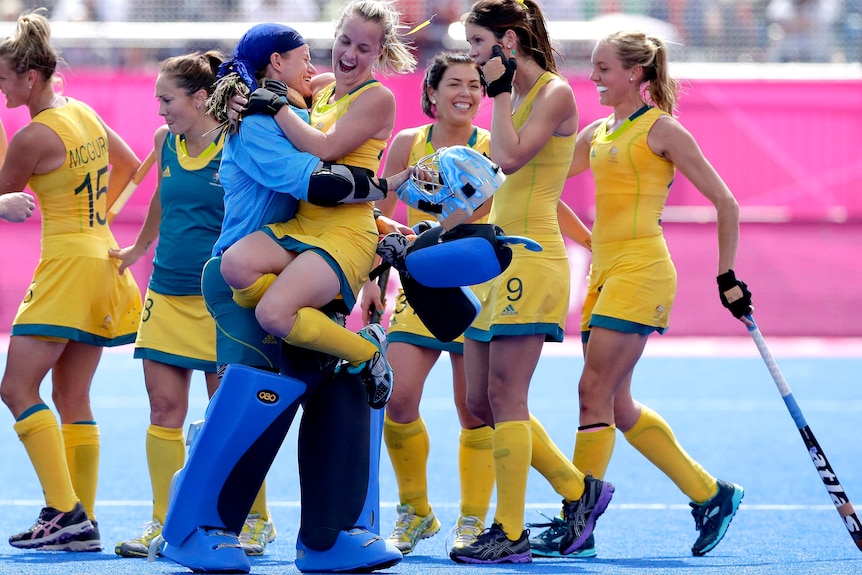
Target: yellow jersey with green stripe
{"points": [[632, 182], [77, 292], [632, 284], [73, 198], [531, 297]]}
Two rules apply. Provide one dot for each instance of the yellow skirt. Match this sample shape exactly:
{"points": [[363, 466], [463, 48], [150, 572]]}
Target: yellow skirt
{"points": [[77, 294], [178, 331]]}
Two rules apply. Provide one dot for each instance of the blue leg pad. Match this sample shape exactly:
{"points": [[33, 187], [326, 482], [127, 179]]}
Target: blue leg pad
{"points": [[209, 551], [246, 422], [355, 550]]}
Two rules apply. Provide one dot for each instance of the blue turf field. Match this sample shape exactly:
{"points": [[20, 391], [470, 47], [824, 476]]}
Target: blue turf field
{"points": [[724, 408]]}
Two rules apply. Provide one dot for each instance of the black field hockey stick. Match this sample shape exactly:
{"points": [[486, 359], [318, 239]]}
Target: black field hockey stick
{"points": [[830, 480]]}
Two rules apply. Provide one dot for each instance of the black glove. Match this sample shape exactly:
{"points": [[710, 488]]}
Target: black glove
{"points": [[504, 82], [734, 294], [273, 85], [265, 100]]}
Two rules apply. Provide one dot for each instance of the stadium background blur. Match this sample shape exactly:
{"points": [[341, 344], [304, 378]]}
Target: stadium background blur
{"points": [[703, 30], [772, 92]]}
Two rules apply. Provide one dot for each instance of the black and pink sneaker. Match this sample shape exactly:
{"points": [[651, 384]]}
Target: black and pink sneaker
{"points": [[54, 527]]}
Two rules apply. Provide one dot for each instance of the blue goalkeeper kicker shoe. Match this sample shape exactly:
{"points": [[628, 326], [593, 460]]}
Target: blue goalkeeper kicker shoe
{"points": [[355, 551], [207, 551], [713, 517]]}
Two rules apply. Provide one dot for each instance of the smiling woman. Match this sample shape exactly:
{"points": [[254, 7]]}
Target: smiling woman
{"points": [[633, 155]]}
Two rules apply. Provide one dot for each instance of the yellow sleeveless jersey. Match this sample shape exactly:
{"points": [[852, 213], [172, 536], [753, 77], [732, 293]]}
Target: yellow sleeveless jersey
{"points": [[325, 113], [77, 292], [72, 199], [632, 182], [531, 296], [526, 203], [345, 235]]}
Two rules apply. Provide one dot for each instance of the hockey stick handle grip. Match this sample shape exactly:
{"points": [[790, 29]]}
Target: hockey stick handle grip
{"points": [[777, 376], [130, 188]]}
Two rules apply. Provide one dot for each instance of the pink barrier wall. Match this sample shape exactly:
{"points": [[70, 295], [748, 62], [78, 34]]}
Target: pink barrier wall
{"points": [[789, 150], [789, 145]]}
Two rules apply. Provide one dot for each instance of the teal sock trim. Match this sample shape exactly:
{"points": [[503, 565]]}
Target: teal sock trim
{"points": [[31, 410]]}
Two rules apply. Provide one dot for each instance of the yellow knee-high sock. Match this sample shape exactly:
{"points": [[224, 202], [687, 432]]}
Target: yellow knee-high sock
{"points": [[166, 454], [248, 297], [476, 466], [653, 437], [316, 331], [593, 450], [512, 454], [40, 433], [408, 447], [259, 504], [82, 455], [565, 478]]}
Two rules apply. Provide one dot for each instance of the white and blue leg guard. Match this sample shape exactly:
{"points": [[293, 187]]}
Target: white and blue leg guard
{"points": [[246, 422], [339, 455], [451, 183]]}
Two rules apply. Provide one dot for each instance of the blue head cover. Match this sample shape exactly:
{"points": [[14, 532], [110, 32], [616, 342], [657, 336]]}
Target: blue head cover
{"points": [[256, 46]]}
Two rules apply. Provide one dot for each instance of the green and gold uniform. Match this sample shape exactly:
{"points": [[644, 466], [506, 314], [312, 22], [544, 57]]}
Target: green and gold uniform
{"points": [[345, 236], [632, 278], [77, 293], [532, 295], [176, 327]]}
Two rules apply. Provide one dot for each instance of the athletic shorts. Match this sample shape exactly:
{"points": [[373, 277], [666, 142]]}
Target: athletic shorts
{"points": [[531, 297], [78, 294], [177, 330], [632, 286], [345, 236], [239, 337]]}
